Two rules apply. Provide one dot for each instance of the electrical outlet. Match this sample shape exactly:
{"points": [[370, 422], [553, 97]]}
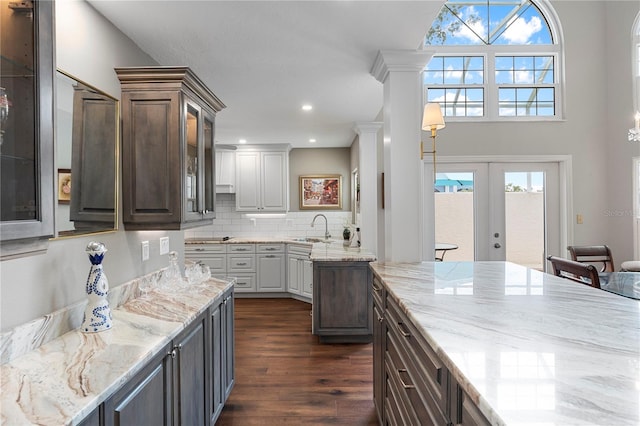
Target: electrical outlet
{"points": [[145, 250], [164, 245], [579, 219]]}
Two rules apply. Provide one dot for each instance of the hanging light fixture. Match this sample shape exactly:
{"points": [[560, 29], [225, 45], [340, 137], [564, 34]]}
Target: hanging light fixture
{"points": [[433, 120]]}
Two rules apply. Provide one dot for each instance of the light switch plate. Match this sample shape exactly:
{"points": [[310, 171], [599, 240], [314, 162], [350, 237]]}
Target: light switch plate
{"points": [[145, 250], [164, 245]]}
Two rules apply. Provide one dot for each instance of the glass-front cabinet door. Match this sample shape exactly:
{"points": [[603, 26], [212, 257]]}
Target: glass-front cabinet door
{"points": [[200, 163], [26, 123]]}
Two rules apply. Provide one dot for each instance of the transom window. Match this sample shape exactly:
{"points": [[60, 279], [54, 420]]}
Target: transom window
{"points": [[493, 60]]}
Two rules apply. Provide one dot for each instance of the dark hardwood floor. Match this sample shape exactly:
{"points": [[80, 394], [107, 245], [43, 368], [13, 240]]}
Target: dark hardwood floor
{"points": [[285, 377]]}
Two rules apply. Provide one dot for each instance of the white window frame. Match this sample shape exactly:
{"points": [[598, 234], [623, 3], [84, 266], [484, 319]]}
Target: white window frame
{"points": [[489, 52]]}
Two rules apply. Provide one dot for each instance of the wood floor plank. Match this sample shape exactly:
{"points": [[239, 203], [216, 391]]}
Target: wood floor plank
{"points": [[284, 376]]}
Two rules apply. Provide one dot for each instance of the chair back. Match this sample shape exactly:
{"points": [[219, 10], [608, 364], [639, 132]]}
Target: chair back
{"points": [[575, 271], [599, 256]]}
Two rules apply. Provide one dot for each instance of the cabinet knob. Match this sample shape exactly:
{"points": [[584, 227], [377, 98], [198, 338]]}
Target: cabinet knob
{"points": [[172, 353], [179, 347]]}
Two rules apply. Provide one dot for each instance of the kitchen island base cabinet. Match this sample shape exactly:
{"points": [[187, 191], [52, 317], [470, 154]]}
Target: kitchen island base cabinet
{"points": [[222, 359], [342, 302], [411, 384]]}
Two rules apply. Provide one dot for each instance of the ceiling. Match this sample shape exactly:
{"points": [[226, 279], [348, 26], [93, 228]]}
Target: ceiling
{"points": [[265, 59]]}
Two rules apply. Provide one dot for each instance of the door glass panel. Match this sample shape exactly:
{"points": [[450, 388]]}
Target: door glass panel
{"points": [[524, 218], [191, 180], [454, 215], [209, 162], [18, 114]]}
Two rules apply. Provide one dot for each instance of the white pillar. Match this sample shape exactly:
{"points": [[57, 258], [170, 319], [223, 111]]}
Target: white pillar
{"points": [[401, 73], [368, 173]]}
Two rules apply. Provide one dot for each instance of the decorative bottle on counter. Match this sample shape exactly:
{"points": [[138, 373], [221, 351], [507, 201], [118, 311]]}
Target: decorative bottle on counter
{"points": [[97, 314]]}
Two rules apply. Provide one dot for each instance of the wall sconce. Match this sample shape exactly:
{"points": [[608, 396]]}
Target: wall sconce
{"points": [[634, 134], [433, 120]]}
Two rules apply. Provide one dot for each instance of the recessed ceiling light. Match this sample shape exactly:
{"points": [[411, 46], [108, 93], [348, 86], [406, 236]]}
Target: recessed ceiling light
{"points": [[312, 141], [242, 141], [307, 107]]}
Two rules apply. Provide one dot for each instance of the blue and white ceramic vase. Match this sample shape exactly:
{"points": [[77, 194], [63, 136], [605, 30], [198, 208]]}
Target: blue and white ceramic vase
{"points": [[97, 314]]}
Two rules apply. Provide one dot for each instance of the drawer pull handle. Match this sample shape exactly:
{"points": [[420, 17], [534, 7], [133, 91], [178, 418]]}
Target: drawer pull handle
{"points": [[269, 256], [376, 288], [403, 331], [241, 263], [270, 249], [199, 249], [404, 385], [240, 249]]}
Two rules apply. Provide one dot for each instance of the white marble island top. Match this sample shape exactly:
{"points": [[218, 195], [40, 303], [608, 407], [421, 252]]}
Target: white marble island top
{"points": [[338, 252], [65, 379], [528, 347]]}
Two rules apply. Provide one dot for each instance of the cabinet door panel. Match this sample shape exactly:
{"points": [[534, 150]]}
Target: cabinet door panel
{"points": [[307, 278], [146, 399], [217, 367], [271, 276], [229, 345], [152, 143], [293, 275], [190, 377], [247, 181], [274, 189]]}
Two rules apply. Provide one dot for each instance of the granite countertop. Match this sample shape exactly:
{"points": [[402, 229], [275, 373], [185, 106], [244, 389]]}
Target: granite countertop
{"points": [[64, 380], [528, 347], [323, 251]]}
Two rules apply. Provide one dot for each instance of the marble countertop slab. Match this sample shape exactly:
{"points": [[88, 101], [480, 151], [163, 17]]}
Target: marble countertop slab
{"points": [[338, 252], [529, 348], [65, 379]]}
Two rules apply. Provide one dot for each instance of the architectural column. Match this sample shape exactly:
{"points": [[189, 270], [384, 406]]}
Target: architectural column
{"points": [[404, 232], [368, 172]]}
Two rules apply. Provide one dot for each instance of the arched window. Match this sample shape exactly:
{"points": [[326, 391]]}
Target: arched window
{"points": [[495, 60]]}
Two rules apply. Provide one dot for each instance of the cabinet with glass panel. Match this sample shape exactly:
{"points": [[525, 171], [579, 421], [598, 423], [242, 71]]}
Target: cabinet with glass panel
{"points": [[26, 125], [168, 125]]}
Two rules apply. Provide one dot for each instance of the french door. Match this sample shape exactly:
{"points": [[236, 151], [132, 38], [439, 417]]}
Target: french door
{"points": [[499, 211]]}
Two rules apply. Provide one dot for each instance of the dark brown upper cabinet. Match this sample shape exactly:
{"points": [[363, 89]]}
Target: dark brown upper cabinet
{"points": [[168, 159], [27, 70]]}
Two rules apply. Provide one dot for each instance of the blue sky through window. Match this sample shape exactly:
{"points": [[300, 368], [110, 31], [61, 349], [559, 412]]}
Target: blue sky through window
{"points": [[473, 22]]}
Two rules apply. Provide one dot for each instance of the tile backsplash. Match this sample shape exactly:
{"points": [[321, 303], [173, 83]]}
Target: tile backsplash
{"points": [[229, 223]]}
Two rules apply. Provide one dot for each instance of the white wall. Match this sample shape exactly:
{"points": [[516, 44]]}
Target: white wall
{"points": [[599, 110], [88, 47]]}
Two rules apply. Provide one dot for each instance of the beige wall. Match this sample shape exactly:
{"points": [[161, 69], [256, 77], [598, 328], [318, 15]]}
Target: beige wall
{"points": [[320, 161]]}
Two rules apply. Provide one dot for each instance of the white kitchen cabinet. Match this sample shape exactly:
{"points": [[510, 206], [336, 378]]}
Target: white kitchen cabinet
{"points": [[262, 180], [225, 171], [270, 259], [241, 264], [213, 255], [299, 271]]}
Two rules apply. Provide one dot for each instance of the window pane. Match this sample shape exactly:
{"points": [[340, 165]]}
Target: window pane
{"points": [[504, 63], [435, 95], [433, 77]]}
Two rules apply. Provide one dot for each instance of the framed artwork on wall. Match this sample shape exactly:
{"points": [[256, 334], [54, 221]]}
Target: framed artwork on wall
{"points": [[64, 186], [321, 192]]}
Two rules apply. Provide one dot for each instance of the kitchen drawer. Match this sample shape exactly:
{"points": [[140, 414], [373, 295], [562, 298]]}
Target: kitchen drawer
{"points": [[396, 413], [241, 248], [217, 264], [245, 283], [420, 404], [299, 249], [465, 412], [427, 372], [241, 263], [195, 249], [269, 248], [379, 294]]}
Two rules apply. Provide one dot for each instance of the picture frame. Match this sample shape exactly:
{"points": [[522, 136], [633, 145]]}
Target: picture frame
{"points": [[321, 192], [64, 186]]}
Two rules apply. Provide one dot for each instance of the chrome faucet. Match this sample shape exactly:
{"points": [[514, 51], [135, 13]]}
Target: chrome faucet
{"points": [[326, 225]]}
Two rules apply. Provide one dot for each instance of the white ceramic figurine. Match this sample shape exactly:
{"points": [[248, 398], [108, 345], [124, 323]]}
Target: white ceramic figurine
{"points": [[97, 314]]}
